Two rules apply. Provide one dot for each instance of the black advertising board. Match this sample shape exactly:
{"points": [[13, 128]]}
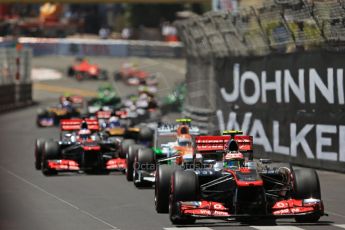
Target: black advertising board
{"points": [[292, 104]]}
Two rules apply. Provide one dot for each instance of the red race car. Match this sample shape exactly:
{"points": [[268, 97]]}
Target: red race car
{"points": [[80, 148], [83, 69], [236, 187], [133, 76]]}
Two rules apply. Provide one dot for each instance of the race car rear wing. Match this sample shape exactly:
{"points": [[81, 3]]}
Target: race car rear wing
{"points": [[75, 99], [103, 114], [171, 130], [75, 124], [220, 143]]}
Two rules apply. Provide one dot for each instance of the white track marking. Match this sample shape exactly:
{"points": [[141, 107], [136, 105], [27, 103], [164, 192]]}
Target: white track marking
{"points": [[58, 198], [189, 228], [276, 227], [39, 74], [339, 225]]}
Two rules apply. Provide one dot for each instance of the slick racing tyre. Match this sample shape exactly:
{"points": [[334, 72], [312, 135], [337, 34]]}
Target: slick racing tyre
{"points": [[132, 152], [306, 185], [125, 146], [103, 75], [162, 187], [117, 76], [50, 151], [185, 186], [143, 161], [146, 134], [70, 72], [39, 145]]}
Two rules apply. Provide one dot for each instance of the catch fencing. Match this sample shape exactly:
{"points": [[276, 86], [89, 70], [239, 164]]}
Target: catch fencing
{"points": [[15, 79], [276, 73]]}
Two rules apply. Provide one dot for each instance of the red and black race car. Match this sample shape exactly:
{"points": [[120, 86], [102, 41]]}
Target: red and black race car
{"points": [[133, 76], [83, 69], [80, 148], [242, 189]]}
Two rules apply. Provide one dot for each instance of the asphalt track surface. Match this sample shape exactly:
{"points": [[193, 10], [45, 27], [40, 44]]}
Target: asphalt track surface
{"points": [[29, 200]]}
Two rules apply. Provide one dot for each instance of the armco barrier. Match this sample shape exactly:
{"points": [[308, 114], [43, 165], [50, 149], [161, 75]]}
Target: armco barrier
{"points": [[24, 92], [7, 95], [98, 47]]}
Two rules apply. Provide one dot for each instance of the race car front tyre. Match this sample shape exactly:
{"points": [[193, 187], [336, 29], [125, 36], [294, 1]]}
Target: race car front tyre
{"points": [[185, 186], [306, 185], [162, 186], [70, 72], [50, 151], [39, 144], [143, 161], [125, 146], [132, 152]]}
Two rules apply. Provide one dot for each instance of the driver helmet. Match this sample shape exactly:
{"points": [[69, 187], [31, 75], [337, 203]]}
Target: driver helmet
{"points": [[233, 160], [184, 140], [114, 122], [84, 134]]}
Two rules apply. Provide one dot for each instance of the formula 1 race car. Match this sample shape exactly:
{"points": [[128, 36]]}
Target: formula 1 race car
{"points": [[106, 99], [243, 189], [171, 144], [69, 107], [173, 102], [132, 76], [79, 149], [83, 69]]}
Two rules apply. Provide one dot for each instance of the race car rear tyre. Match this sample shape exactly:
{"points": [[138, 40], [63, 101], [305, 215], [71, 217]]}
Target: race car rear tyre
{"points": [[162, 187], [146, 134], [125, 146], [185, 186], [39, 144], [117, 76], [132, 152], [144, 161], [50, 151], [306, 185], [79, 76], [103, 75]]}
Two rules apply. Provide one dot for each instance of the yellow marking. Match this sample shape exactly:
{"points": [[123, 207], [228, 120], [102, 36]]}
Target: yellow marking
{"points": [[63, 89]]}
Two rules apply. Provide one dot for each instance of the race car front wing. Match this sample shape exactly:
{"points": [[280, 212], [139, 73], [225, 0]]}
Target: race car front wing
{"points": [[281, 209]]}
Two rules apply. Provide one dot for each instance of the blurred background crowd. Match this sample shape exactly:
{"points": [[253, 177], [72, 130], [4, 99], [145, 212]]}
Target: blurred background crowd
{"points": [[126, 21]]}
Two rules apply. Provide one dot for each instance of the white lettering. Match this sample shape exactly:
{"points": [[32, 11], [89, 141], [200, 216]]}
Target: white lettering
{"points": [[275, 85], [250, 100], [259, 135], [342, 143], [325, 141], [276, 147], [232, 121], [235, 93], [299, 138], [315, 81], [289, 83], [340, 82]]}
